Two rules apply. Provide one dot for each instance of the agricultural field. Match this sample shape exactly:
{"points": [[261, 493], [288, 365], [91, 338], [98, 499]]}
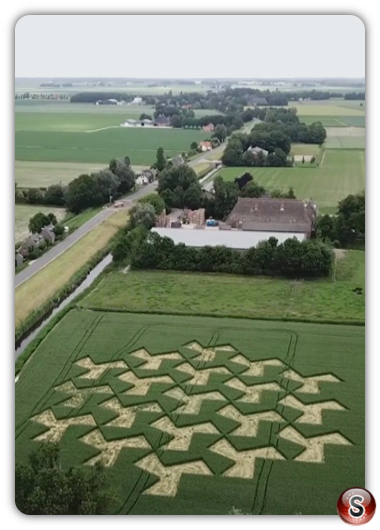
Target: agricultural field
{"points": [[330, 121], [305, 149], [340, 172], [130, 88], [23, 212], [330, 300], [33, 293], [195, 416], [139, 144], [345, 138]]}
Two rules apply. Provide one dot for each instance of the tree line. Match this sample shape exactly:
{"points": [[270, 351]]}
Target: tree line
{"points": [[85, 191], [293, 258], [347, 228]]}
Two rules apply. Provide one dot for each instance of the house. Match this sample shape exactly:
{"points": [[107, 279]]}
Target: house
{"points": [[136, 101], [205, 146], [19, 260], [129, 123], [146, 122], [150, 174], [274, 217], [48, 234], [161, 121], [30, 243], [142, 180], [208, 128], [215, 236], [255, 102], [256, 150], [177, 161]]}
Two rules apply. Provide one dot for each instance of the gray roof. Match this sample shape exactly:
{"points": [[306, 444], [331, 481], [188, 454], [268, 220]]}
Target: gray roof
{"points": [[265, 214], [258, 150], [258, 101], [213, 237], [177, 160]]}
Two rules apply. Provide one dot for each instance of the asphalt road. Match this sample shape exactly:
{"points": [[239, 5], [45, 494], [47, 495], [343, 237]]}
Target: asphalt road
{"points": [[58, 249], [61, 247]]}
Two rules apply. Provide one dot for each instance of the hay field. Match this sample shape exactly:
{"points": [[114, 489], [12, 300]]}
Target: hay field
{"points": [[345, 138]]}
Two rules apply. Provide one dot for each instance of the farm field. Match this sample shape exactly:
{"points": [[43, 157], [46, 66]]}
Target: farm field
{"points": [[340, 173], [37, 290], [198, 415], [24, 212], [345, 138], [331, 121], [309, 108], [134, 89], [99, 147], [43, 174], [228, 295], [305, 149]]}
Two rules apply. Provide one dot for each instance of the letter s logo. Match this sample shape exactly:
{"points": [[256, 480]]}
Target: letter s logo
{"points": [[356, 507]]}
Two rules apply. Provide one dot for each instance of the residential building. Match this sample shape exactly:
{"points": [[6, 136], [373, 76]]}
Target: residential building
{"points": [[161, 121], [256, 150], [19, 260], [255, 102], [274, 217], [48, 234], [208, 128], [205, 146], [177, 161], [30, 243]]}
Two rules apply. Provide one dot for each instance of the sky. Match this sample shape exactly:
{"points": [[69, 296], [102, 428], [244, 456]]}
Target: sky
{"points": [[190, 46]]}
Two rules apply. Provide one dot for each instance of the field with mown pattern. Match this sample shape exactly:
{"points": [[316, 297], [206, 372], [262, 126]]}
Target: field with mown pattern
{"points": [[197, 415]]}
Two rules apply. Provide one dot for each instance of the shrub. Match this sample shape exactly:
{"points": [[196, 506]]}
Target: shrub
{"points": [[35, 254]]}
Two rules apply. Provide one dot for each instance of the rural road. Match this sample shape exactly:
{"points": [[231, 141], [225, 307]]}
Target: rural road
{"points": [[57, 250]]}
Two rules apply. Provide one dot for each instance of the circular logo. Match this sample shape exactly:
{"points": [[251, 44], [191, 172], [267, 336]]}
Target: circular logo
{"points": [[356, 506]]}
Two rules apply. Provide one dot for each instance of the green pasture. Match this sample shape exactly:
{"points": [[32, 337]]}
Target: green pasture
{"points": [[246, 296], [310, 108], [335, 121], [140, 144], [340, 172], [134, 89], [345, 142]]}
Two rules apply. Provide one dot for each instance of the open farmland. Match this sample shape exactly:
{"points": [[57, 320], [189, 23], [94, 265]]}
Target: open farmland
{"points": [[140, 144], [197, 415], [24, 212], [340, 173], [228, 295], [345, 138]]}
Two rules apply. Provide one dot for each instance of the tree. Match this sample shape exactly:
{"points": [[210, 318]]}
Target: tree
{"points": [[192, 197], [220, 132], [252, 189], [44, 488], [193, 146], [82, 193], [303, 159], [142, 215], [125, 176], [55, 195], [37, 222], [34, 196], [176, 121], [161, 161], [155, 200], [233, 153], [108, 184], [326, 227], [144, 116], [58, 230], [173, 184], [291, 194]]}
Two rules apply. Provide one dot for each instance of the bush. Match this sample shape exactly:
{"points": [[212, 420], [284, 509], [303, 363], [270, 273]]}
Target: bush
{"points": [[35, 254]]}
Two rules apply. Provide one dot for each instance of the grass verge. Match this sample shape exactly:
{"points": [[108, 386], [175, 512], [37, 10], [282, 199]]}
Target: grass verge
{"points": [[36, 296]]}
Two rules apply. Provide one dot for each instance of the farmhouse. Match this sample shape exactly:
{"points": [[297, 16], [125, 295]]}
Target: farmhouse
{"points": [[257, 101], [208, 128], [136, 101], [205, 146], [274, 217], [177, 161], [256, 150], [161, 121]]}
